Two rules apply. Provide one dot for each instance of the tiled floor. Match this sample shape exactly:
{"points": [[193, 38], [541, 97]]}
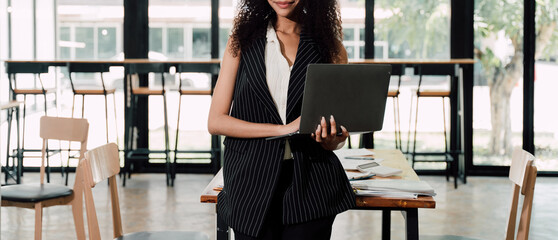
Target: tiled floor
{"points": [[478, 209]]}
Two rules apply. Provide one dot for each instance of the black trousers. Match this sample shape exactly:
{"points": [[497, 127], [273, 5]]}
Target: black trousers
{"points": [[273, 227]]}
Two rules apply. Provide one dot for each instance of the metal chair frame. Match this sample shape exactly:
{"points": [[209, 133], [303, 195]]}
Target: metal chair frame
{"points": [[433, 70], [140, 153]]}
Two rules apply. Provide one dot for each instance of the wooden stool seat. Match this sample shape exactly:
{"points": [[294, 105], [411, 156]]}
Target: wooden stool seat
{"points": [[94, 91], [164, 235], [393, 93], [147, 91], [34, 192], [10, 104], [427, 93], [195, 92], [33, 91]]}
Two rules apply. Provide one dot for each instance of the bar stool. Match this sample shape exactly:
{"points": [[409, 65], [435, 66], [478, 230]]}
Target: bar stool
{"points": [[432, 70], [132, 152], [11, 171], [396, 70], [184, 68], [93, 68], [36, 69]]}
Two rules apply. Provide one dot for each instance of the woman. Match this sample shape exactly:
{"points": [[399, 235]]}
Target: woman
{"points": [[278, 189]]}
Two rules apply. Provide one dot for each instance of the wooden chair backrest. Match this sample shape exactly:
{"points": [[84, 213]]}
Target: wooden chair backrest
{"points": [[523, 174], [65, 129], [99, 164]]}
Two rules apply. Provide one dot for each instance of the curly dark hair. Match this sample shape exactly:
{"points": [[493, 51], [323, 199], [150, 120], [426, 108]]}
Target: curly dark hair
{"points": [[319, 18]]}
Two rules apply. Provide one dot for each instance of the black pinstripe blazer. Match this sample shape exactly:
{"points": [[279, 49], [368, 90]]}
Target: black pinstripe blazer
{"points": [[251, 166]]}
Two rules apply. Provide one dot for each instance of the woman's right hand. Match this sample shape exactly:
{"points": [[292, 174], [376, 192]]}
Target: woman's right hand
{"points": [[291, 127]]}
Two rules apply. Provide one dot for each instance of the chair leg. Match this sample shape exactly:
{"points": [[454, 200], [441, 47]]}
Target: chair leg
{"points": [[410, 120], [415, 134], [445, 137], [9, 120], [106, 118], [176, 139], [115, 119], [167, 145], [82, 106], [23, 125], [38, 220], [395, 123], [399, 125], [77, 212], [19, 154]]}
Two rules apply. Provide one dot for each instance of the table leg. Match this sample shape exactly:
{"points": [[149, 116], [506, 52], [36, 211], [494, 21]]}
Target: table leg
{"points": [[411, 223], [386, 224], [222, 227]]}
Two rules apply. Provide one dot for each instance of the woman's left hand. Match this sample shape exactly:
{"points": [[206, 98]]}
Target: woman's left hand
{"points": [[329, 141]]}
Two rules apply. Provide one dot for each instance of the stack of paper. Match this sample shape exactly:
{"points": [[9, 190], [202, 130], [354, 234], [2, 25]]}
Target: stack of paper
{"points": [[393, 188], [351, 164]]}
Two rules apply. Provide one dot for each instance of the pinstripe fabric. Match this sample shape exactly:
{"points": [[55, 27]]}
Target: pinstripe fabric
{"points": [[251, 166]]}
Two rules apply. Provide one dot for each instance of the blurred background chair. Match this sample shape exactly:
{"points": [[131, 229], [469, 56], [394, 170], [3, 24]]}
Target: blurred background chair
{"points": [[99, 68], [103, 163], [397, 70], [432, 70], [35, 69], [185, 68], [12, 168], [38, 196], [134, 153]]}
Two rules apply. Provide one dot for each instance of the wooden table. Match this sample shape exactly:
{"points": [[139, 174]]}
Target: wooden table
{"points": [[408, 207]]}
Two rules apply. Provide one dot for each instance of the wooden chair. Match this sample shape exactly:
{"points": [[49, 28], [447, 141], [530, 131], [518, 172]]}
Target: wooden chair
{"points": [[38, 196], [523, 174], [102, 163]]}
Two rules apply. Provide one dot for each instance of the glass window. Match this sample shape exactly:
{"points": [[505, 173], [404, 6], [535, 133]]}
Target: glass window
{"points": [[65, 39], [156, 40], [413, 31], [348, 34], [497, 126], [546, 67], [107, 42], [175, 42], [201, 43], [223, 39], [84, 43]]}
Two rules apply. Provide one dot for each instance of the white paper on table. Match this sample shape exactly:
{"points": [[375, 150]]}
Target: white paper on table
{"points": [[342, 153], [395, 185], [351, 164], [370, 193]]}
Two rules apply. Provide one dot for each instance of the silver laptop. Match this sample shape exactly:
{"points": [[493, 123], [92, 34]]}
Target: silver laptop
{"points": [[355, 94]]}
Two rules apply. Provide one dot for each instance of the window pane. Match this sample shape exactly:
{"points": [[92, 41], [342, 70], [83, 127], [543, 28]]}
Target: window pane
{"points": [[175, 43], [201, 43], [107, 42], [156, 40], [64, 40], [348, 34], [84, 43], [413, 31], [497, 91], [223, 38], [352, 15], [546, 67]]}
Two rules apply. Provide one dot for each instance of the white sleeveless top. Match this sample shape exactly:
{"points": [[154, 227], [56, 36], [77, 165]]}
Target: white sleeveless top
{"points": [[278, 75]]}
